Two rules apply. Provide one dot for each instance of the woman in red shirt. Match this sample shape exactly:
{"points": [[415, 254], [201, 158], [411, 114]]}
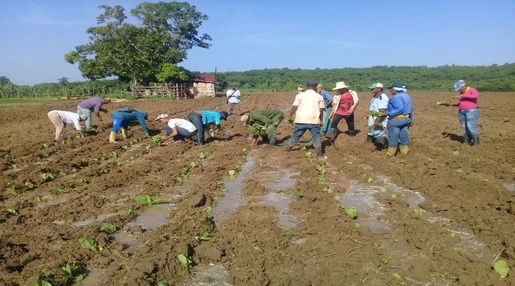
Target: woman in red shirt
{"points": [[344, 105]]}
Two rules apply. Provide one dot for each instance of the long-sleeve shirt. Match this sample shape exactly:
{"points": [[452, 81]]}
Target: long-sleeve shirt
{"points": [[233, 96], [468, 100], [94, 104], [129, 116], [210, 116], [400, 104], [266, 117]]}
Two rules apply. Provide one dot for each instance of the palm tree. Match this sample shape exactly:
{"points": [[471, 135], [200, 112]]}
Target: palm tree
{"points": [[63, 81]]}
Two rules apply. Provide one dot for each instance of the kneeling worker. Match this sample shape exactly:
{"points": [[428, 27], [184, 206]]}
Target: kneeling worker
{"points": [[268, 120], [121, 118]]}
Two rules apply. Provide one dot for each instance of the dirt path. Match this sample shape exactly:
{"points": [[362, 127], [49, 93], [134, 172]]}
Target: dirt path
{"points": [[439, 216]]}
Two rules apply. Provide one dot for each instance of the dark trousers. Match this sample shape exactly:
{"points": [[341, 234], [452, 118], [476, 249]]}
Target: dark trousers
{"points": [[348, 118], [196, 119]]}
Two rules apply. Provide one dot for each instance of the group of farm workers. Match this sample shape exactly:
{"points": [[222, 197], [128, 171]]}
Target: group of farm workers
{"points": [[314, 109]]}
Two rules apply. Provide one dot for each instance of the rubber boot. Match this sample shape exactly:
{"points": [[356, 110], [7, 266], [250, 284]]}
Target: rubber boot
{"points": [[112, 137], [124, 135], [475, 140], [319, 152], [332, 134], [272, 142], [466, 139], [370, 139], [404, 149], [392, 150]]}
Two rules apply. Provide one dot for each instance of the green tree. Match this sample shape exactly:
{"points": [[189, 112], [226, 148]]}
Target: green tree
{"points": [[138, 53], [4, 80], [63, 81]]}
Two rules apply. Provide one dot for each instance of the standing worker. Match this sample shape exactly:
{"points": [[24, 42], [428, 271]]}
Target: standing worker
{"points": [[202, 118], [233, 99], [121, 118], [377, 118], [344, 104], [400, 118], [308, 109], [268, 120], [328, 102], [60, 118], [91, 105], [468, 111]]}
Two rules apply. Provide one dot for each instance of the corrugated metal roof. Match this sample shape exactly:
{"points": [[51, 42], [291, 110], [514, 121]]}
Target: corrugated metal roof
{"points": [[203, 78]]}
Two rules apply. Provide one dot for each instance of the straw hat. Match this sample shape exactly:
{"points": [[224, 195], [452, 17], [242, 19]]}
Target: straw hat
{"points": [[340, 85]]}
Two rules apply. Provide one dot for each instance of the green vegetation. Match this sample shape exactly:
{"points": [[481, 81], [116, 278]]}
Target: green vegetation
{"points": [[501, 267], [90, 243], [108, 228], [147, 200]]}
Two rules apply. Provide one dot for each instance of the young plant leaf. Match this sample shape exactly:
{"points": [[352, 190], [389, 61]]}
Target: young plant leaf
{"points": [[185, 261], [108, 228], [90, 243], [501, 267]]}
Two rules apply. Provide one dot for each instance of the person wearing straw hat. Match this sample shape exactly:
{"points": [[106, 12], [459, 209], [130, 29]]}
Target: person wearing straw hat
{"points": [[176, 128], [377, 118], [308, 109], [263, 123], [400, 118], [61, 118], [344, 104]]}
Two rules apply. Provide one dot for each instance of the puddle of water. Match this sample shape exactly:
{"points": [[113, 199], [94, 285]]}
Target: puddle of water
{"points": [[232, 199], [368, 208], [209, 275], [154, 216], [281, 203], [412, 198], [90, 221], [278, 180]]}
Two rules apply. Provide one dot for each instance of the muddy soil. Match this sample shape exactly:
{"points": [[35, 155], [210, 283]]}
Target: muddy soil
{"points": [[438, 216]]}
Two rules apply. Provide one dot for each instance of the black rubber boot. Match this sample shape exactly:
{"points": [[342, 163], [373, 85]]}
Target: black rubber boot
{"points": [[319, 152], [370, 139], [475, 140], [380, 143], [466, 139]]}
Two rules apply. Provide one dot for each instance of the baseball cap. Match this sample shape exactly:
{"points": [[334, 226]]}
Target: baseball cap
{"points": [[161, 116], [377, 84], [458, 85]]}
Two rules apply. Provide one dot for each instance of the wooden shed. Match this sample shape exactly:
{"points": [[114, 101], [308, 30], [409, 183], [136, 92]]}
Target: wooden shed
{"points": [[203, 85]]}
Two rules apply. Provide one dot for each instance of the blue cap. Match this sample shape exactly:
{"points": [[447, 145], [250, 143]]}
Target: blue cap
{"points": [[145, 114], [397, 85], [458, 85]]}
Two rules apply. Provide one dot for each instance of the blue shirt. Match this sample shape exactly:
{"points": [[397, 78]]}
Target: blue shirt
{"points": [[400, 103], [326, 96], [129, 116], [210, 116]]}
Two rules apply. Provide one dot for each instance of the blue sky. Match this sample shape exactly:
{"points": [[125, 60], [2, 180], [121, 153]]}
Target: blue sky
{"points": [[259, 34]]}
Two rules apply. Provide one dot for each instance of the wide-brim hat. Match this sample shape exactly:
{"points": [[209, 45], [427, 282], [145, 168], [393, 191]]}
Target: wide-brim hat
{"points": [[244, 118], [340, 85]]}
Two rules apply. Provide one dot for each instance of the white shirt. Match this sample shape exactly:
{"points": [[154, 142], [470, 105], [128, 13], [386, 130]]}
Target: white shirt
{"points": [[70, 118], [308, 105], [234, 96], [379, 101], [182, 123]]}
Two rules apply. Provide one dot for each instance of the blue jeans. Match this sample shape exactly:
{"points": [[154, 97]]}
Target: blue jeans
{"points": [[468, 119], [398, 130], [183, 133], [119, 123], [196, 119], [301, 128]]}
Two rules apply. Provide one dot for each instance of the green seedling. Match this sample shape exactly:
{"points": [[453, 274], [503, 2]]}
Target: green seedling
{"points": [[440, 102], [205, 236], [125, 147], [147, 200], [350, 212], [156, 139], [501, 267], [336, 198], [193, 164], [42, 282], [456, 153], [321, 179], [357, 224], [29, 184], [374, 113], [376, 244], [394, 196], [231, 172], [203, 155], [56, 191], [185, 170], [397, 276], [12, 191], [185, 261], [238, 166], [108, 228], [47, 177], [113, 154], [370, 180], [217, 199], [321, 169], [459, 170], [12, 212], [71, 273], [419, 212], [40, 199], [327, 190], [384, 259], [458, 250], [90, 243], [453, 234], [83, 180], [46, 145], [161, 283], [149, 146], [14, 167], [129, 212], [289, 119], [208, 209], [224, 189]]}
